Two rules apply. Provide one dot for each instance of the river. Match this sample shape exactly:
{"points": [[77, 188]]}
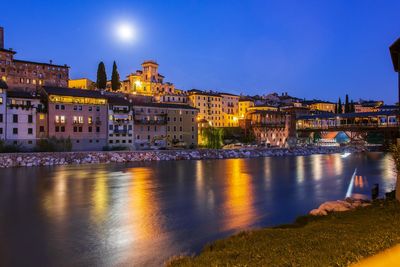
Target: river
{"points": [[141, 214]]}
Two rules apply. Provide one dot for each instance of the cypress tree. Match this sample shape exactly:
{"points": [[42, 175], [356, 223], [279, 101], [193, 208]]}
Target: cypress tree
{"points": [[340, 108], [347, 104], [101, 82], [115, 82]]}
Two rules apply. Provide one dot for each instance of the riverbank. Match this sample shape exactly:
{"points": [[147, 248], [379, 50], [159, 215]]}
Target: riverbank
{"points": [[338, 239], [67, 158]]}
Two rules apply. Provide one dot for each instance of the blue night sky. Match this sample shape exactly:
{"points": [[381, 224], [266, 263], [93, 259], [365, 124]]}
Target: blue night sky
{"points": [[311, 49]]}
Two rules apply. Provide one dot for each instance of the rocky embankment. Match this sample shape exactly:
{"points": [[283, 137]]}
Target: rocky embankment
{"points": [[65, 158], [338, 206]]}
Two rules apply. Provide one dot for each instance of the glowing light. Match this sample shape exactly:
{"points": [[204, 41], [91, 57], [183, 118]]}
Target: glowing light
{"points": [[125, 32]]}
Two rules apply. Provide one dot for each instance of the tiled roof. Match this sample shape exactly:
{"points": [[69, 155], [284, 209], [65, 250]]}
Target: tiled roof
{"points": [[73, 92], [22, 94], [40, 63]]}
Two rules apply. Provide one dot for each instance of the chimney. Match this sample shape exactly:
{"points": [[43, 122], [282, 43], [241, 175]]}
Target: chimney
{"points": [[1, 38]]}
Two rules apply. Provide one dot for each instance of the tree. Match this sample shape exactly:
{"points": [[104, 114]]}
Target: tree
{"points": [[101, 76], [115, 82], [339, 107], [352, 107], [347, 105], [212, 137]]}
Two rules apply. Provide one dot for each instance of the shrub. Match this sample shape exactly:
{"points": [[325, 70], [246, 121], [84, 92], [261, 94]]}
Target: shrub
{"points": [[54, 144]]}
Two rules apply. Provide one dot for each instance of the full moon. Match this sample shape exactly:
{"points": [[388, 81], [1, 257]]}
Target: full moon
{"points": [[125, 32]]}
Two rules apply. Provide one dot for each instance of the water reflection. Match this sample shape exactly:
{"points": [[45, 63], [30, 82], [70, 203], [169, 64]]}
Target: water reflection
{"points": [[238, 204], [142, 213]]}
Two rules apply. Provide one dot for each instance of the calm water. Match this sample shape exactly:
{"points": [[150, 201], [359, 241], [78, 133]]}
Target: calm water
{"points": [[141, 214]]}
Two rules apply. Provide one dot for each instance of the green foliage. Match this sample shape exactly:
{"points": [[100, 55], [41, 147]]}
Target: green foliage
{"points": [[54, 144], [237, 134], [337, 239], [339, 107], [115, 81], [212, 137], [347, 105], [9, 148], [101, 76]]}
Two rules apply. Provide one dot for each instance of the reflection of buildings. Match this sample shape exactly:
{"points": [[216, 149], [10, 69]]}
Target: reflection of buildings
{"points": [[239, 196]]}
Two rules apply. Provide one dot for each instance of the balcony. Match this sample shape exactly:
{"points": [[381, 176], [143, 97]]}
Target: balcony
{"points": [[123, 111], [268, 124], [121, 131], [151, 122]]}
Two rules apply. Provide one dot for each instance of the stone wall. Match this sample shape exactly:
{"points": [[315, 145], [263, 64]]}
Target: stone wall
{"points": [[48, 159]]}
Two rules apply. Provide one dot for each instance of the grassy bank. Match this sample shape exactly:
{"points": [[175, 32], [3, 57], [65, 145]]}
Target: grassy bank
{"points": [[338, 239]]}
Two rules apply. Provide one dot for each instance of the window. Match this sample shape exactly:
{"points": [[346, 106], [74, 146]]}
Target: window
{"points": [[41, 129], [75, 107], [75, 129], [62, 107], [30, 118], [57, 106], [1, 130], [41, 116], [57, 129], [15, 130], [90, 108], [97, 108], [80, 129], [15, 118], [30, 131], [90, 129], [80, 107], [97, 129], [62, 128], [90, 120], [1, 117]]}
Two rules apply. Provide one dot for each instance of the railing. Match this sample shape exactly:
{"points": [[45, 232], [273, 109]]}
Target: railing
{"points": [[151, 122], [118, 131], [354, 126], [115, 110], [269, 124]]}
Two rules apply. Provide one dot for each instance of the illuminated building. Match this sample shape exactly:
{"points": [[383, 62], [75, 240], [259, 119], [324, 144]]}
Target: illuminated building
{"points": [[78, 114], [269, 127], [209, 105], [21, 118], [230, 110], [244, 105], [159, 125], [319, 105], [83, 83], [367, 106], [120, 122], [28, 75], [146, 81], [176, 98]]}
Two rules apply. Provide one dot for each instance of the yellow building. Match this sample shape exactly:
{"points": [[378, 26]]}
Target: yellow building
{"points": [[209, 105], [321, 105], [230, 110], [262, 108], [244, 105], [83, 83], [146, 81]]}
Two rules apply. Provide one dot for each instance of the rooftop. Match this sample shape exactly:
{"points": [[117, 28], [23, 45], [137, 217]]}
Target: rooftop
{"points": [[73, 92]]}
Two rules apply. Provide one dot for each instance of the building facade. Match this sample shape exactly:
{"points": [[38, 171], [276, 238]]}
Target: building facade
{"points": [[83, 83], [147, 81], [209, 105], [120, 123], [27, 75], [80, 115], [3, 105], [21, 118], [230, 110], [181, 126]]}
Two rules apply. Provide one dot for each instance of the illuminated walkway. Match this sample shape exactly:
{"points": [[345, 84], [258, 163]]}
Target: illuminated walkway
{"points": [[387, 258]]}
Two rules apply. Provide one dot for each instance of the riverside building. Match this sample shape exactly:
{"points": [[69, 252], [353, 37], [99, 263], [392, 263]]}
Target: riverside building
{"points": [[120, 123], [78, 114], [21, 118]]}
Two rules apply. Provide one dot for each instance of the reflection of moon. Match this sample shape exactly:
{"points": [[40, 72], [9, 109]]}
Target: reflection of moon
{"points": [[125, 32]]}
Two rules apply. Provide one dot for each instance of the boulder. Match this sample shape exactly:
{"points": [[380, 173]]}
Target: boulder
{"points": [[318, 212]]}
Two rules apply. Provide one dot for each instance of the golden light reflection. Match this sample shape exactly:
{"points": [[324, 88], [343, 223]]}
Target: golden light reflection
{"points": [[317, 167], [300, 169], [100, 197], [55, 199], [239, 199], [338, 164], [143, 205]]}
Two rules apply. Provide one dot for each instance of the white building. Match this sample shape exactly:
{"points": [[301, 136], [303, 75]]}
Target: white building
{"points": [[21, 118], [3, 103], [120, 123]]}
